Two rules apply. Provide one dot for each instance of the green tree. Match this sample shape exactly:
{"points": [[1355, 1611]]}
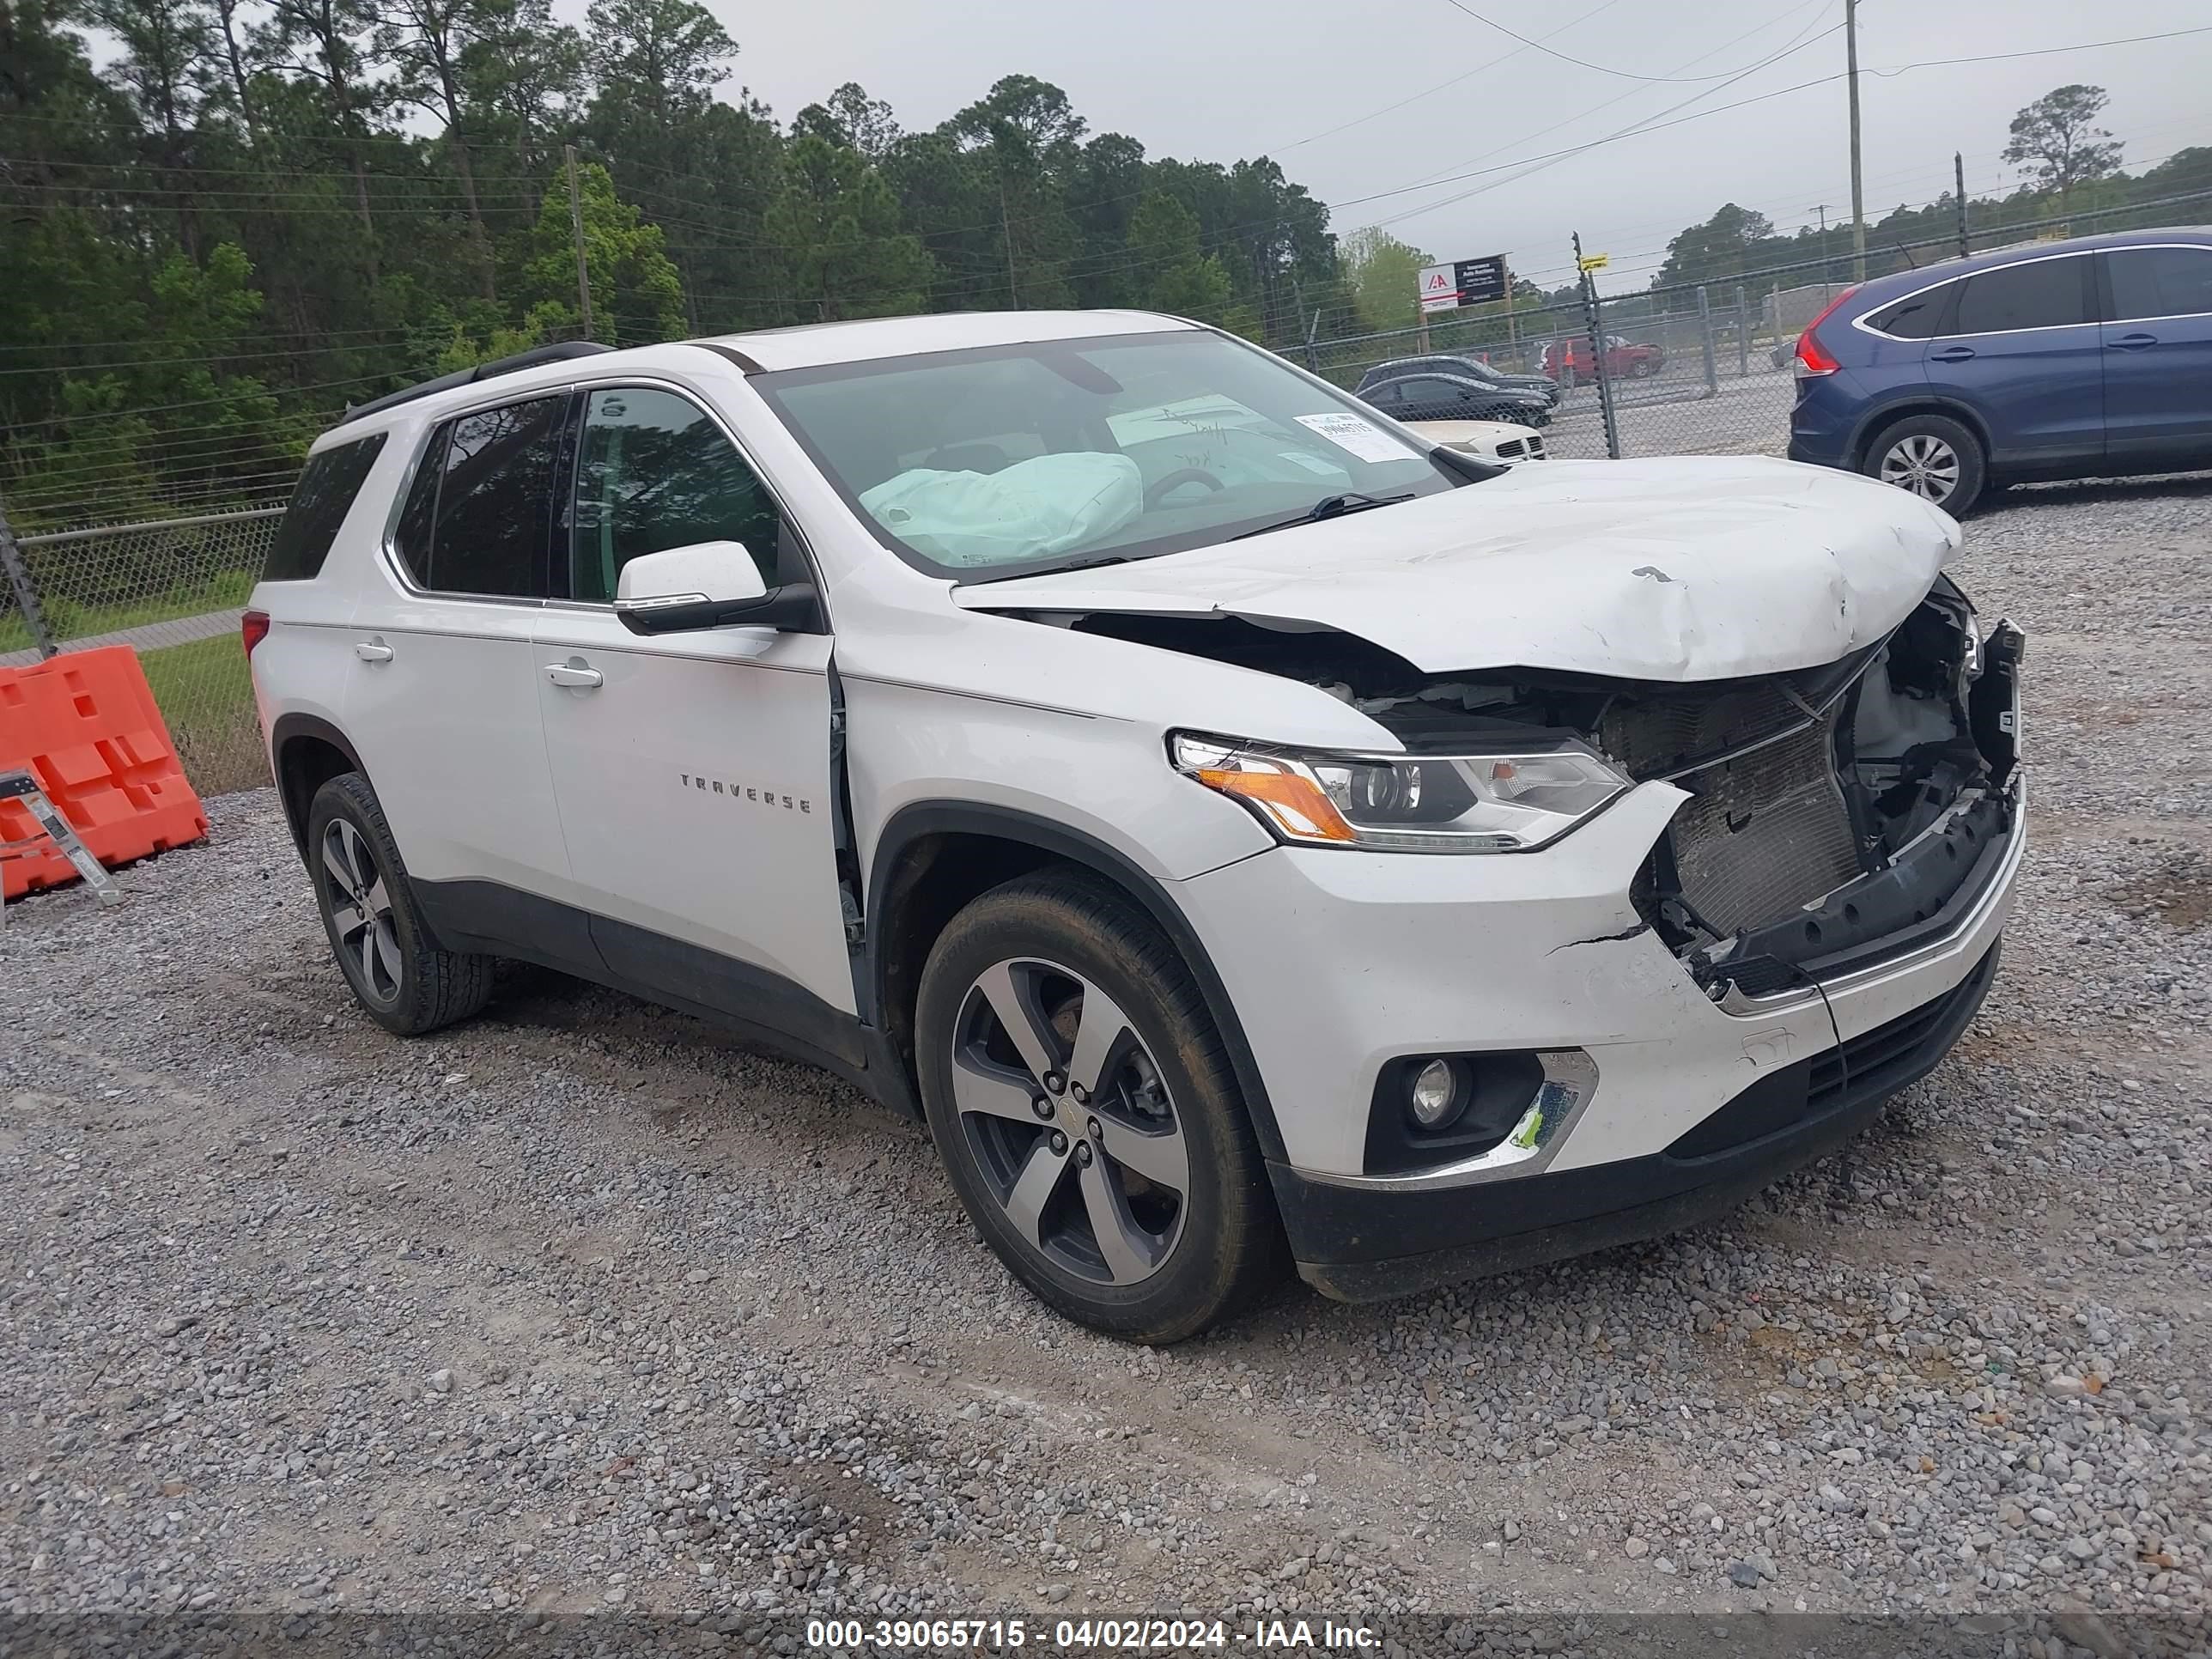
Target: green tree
{"points": [[1022, 138], [660, 59], [326, 42], [1726, 244], [1385, 276], [637, 294], [1174, 273], [428, 44], [2057, 137], [835, 226], [849, 117]]}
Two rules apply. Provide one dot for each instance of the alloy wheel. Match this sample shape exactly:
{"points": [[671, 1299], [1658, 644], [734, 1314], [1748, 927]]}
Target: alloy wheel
{"points": [[360, 912], [1924, 464], [1070, 1122]]}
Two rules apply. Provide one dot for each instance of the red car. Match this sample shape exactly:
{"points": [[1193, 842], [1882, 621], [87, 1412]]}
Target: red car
{"points": [[1624, 359]]}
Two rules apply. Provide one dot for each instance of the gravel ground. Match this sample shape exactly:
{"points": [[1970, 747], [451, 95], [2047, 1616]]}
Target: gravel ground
{"points": [[582, 1306]]}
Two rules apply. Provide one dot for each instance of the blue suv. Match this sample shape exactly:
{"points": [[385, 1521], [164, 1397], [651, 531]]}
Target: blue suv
{"points": [[2082, 359]]}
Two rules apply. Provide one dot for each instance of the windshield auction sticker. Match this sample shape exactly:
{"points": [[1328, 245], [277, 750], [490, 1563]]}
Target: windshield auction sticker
{"points": [[1356, 437]]}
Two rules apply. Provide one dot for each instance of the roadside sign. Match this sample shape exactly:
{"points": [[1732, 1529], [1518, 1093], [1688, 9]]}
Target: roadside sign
{"points": [[1464, 282], [1595, 261]]}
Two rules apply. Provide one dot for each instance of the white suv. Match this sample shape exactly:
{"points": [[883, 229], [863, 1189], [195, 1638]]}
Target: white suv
{"points": [[1243, 830]]}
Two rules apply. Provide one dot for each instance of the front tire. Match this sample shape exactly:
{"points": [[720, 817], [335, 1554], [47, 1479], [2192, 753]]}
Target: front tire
{"points": [[407, 984], [1935, 457], [1086, 1111]]}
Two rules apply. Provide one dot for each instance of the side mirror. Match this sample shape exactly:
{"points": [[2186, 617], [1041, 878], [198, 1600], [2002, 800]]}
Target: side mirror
{"points": [[707, 585]]}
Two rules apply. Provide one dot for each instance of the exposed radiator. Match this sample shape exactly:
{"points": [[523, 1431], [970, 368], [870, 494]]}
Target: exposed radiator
{"points": [[1765, 833]]}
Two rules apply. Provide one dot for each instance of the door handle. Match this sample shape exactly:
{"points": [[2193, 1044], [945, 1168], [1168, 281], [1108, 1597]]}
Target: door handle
{"points": [[372, 651], [2132, 341], [1951, 354], [575, 675]]}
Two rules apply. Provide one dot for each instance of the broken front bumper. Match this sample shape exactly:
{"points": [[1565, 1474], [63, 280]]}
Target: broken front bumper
{"points": [[1662, 1104]]}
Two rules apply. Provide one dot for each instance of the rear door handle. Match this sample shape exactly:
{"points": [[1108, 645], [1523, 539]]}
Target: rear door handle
{"points": [[575, 675], [372, 651], [2132, 341], [1951, 354]]}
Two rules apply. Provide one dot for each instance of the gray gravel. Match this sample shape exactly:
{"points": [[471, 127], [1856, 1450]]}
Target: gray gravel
{"points": [[582, 1306]]}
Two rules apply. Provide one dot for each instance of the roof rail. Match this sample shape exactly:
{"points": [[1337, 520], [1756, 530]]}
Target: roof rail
{"points": [[498, 365]]}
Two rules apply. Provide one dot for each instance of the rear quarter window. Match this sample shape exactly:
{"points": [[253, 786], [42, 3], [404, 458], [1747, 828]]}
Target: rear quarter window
{"points": [[1915, 318], [320, 503]]}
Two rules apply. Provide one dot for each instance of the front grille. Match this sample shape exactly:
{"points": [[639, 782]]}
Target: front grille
{"points": [[1764, 834], [1512, 449]]}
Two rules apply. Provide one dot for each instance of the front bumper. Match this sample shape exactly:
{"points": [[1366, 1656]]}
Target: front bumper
{"points": [[1342, 963], [1360, 1244]]}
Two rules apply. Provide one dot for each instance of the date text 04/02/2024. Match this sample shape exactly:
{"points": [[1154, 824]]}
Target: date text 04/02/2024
{"points": [[1089, 1634]]}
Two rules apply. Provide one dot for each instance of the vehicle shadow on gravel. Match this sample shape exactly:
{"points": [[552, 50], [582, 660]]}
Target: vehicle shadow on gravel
{"points": [[2193, 487]]}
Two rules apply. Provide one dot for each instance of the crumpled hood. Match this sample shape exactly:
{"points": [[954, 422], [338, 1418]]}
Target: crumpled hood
{"points": [[1692, 568]]}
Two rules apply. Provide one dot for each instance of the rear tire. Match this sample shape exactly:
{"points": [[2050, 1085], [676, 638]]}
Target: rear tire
{"points": [[1087, 1114], [1935, 457], [407, 984]]}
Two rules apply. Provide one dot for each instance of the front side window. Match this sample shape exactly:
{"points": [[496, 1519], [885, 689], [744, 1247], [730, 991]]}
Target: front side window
{"points": [[2041, 293], [1003, 459], [654, 472], [479, 512], [320, 503], [2159, 282]]}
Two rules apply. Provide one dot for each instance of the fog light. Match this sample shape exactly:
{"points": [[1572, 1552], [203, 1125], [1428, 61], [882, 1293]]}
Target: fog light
{"points": [[1436, 1098]]}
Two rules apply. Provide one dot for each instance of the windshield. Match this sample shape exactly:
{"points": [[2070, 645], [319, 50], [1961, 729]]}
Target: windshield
{"points": [[1010, 459]]}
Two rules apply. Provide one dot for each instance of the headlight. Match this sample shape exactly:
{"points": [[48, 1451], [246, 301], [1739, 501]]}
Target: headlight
{"points": [[1489, 803]]}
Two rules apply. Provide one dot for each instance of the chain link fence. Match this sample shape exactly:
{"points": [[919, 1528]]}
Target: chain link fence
{"points": [[170, 589], [1701, 370]]}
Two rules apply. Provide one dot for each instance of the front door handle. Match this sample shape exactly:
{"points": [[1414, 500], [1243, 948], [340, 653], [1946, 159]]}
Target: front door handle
{"points": [[372, 651], [2132, 341], [576, 675], [1951, 354]]}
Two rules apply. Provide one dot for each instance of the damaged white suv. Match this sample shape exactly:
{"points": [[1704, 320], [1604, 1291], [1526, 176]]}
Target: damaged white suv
{"points": [[1246, 832]]}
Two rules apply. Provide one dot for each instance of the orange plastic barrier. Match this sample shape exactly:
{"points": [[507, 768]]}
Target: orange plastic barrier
{"points": [[86, 724]]}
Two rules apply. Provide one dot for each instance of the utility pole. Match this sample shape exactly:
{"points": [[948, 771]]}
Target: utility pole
{"points": [[576, 230], [1822, 208], [1858, 194], [1958, 185], [1007, 231]]}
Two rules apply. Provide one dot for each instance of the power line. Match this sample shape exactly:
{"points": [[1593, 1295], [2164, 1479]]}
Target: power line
{"points": [[1579, 62], [1465, 75]]}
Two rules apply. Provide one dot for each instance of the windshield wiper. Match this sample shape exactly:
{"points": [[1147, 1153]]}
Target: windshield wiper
{"points": [[1329, 507]]}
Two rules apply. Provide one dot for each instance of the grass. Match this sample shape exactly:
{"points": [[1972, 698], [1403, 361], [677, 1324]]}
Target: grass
{"points": [[66, 621], [206, 696]]}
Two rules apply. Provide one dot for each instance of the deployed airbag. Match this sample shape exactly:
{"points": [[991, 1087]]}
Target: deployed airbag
{"points": [[1030, 510]]}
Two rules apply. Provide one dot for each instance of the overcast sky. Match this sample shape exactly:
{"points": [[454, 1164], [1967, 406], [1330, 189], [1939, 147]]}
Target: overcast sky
{"points": [[1236, 78]]}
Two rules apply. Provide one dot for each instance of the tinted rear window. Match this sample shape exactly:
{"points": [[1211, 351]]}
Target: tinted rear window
{"points": [[2042, 294], [320, 503], [479, 514]]}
